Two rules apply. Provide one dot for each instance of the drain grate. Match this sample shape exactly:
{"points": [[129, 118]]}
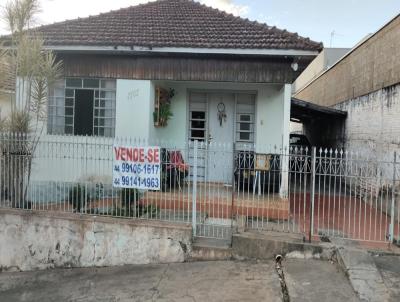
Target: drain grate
{"points": [[281, 275]]}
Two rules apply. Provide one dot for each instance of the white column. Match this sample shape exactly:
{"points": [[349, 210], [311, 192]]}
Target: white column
{"points": [[286, 91]]}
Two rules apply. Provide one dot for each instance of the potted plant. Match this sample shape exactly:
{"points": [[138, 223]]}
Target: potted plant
{"points": [[162, 112]]}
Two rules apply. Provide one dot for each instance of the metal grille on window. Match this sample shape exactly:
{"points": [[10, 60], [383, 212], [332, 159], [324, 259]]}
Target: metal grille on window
{"points": [[56, 109], [197, 116], [245, 108], [104, 109], [62, 105]]}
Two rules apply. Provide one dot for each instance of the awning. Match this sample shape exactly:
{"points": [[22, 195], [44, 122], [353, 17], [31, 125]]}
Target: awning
{"points": [[303, 111]]}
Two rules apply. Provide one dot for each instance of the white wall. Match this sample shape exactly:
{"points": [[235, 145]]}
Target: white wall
{"points": [[76, 159], [73, 159], [5, 104], [270, 112], [285, 140], [287, 101], [372, 127], [134, 110], [175, 132], [372, 133], [135, 106], [49, 240]]}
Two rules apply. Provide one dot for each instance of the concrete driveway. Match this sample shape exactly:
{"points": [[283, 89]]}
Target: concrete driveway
{"points": [[389, 268], [197, 281]]}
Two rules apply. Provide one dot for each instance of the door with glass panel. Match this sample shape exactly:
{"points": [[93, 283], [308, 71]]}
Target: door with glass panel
{"points": [[221, 117], [217, 120]]}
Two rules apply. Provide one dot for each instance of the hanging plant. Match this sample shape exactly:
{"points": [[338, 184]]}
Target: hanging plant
{"points": [[162, 116], [162, 111]]}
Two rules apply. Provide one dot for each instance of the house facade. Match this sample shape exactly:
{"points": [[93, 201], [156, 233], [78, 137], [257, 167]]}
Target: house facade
{"points": [[229, 78]]}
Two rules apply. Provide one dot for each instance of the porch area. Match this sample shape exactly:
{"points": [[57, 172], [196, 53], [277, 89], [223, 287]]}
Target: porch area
{"points": [[218, 201]]}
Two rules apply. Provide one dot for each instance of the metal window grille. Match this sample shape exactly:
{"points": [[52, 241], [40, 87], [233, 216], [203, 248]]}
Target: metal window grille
{"points": [[245, 116], [62, 104]]}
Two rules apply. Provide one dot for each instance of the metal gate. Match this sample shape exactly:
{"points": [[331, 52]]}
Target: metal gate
{"points": [[213, 195]]}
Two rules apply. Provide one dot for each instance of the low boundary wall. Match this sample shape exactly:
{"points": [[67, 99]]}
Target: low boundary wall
{"points": [[39, 240]]}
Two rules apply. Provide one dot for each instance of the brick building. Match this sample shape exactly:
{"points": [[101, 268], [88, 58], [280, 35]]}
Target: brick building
{"points": [[366, 84]]}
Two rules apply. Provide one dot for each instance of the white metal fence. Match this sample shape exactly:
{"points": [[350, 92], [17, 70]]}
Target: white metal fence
{"points": [[218, 188]]}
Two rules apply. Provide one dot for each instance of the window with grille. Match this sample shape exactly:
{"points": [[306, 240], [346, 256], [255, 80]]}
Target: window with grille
{"points": [[198, 125], [197, 116], [245, 125], [82, 107], [245, 116]]}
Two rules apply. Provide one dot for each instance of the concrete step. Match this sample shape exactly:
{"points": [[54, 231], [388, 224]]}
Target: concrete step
{"points": [[211, 249], [209, 230], [266, 245]]}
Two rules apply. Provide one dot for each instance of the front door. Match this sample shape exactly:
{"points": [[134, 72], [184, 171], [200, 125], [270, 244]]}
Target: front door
{"points": [[221, 110]]}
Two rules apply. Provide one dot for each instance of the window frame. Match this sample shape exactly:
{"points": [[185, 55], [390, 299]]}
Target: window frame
{"points": [[250, 111], [191, 128], [239, 130], [104, 101]]}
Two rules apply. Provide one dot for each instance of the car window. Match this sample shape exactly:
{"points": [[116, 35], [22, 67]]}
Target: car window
{"points": [[299, 140]]}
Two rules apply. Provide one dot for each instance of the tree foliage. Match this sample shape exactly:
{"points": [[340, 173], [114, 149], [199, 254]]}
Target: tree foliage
{"points": [[34, 68]]}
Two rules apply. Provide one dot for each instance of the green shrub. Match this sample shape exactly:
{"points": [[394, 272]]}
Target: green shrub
{"points": [[150, 210], [131, 206]]}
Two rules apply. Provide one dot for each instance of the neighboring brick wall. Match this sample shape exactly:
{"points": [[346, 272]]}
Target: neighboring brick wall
{"points": [[372, 133], [373, 124], [373, 65]]}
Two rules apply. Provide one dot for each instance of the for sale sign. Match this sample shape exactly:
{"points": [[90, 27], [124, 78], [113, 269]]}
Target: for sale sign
{"points": [[136, 167]]}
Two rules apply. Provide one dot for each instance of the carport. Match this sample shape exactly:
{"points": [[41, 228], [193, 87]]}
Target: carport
{"points": [[324, 126]]}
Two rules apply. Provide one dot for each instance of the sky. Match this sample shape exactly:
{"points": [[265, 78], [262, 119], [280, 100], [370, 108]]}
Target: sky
{"points": [[336, 23]]}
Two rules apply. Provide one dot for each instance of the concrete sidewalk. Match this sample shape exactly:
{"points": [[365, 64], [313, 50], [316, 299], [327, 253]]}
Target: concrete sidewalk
{"points": [[374, 275], [315, 281], [389, 267], [196, 281]]}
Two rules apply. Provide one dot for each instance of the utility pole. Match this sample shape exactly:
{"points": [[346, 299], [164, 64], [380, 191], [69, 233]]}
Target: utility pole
{"points": [[332, 37]]}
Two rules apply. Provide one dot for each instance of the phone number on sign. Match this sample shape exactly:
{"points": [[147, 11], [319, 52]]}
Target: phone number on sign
{"points": [[139, 168], [136, 181]]}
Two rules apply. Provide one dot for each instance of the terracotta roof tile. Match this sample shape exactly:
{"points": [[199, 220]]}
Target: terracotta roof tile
{"points": [[172, 23]]}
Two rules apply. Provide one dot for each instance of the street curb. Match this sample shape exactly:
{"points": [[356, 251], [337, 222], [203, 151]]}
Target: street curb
{"points": [[267, 246]]}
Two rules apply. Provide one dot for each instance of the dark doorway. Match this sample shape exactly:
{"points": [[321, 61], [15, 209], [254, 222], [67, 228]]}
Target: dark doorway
{"points": [[83, 117]]}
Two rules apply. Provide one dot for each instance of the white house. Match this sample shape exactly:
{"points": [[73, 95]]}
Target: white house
{"points": [[231, 77]]}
